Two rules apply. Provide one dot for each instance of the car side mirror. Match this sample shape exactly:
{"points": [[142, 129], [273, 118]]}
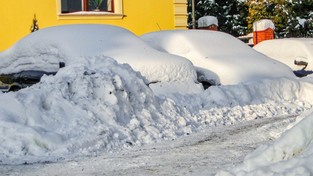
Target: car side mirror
{"points": [[61, 64]]}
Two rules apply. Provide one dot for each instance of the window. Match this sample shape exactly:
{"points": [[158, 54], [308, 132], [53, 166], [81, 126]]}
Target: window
{"points": [[70, 6], [87, 10]]}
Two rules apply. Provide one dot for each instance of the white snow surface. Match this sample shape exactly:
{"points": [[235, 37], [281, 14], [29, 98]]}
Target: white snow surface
{"points": [[45, 48], [206, 21], [220, 57], [95, 109], [85, 109], [291, 154], [263, 24], [288, 50]]}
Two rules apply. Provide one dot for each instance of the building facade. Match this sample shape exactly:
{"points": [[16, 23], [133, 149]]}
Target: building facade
{"points": [[19, 18]]}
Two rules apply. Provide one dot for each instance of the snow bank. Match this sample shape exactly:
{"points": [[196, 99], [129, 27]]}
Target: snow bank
{"points": [[85, 109], [206, 21], [291, 154], [262, 25], [223, 58], [288, 51], [220, 105], [44, 49]]}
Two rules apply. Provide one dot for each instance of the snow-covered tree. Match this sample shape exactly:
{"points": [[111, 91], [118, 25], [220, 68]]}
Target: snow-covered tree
{"points": [[231, 14], [292, 18], [301, 19]]}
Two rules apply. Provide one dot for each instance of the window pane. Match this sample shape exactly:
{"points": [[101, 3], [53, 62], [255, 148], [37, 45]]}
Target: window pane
{"points": [[71, 6], [102, 5]]}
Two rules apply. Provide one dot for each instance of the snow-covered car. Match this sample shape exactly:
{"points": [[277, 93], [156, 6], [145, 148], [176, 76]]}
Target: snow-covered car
{"points": [[44, 49], [297, 53], [219, 58]]}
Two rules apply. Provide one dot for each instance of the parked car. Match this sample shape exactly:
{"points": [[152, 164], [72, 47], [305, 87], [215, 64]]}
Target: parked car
{"points": [[219, 58], [297, 53], [17, 81], [44, 49], [22, 79]]}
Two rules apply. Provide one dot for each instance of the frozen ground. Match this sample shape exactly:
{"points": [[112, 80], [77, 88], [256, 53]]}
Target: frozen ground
{"points": [[203, 153]]}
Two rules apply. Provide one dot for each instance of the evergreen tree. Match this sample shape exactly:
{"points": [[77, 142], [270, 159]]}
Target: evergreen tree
{"points": [[301, 19], [292, 18]]}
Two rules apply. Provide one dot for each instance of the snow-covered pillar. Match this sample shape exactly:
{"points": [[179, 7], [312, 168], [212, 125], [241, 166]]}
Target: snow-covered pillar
{"points": [[263, 30], [208, 23]]}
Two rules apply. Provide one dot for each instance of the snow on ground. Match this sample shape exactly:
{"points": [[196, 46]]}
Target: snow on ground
{"points": [[99, 117], [201, 153], [291, 154]]}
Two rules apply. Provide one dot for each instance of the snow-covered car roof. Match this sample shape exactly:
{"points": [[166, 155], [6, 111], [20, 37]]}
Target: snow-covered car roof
{"points": [[288, 51], [224, 58], [44, 49]]}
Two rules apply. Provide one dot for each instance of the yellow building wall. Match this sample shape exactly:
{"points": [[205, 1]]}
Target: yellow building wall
{"points": [[137, 16]]}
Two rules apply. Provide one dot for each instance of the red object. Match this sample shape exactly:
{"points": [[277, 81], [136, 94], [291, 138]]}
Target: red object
{"points": [[259, 36]]}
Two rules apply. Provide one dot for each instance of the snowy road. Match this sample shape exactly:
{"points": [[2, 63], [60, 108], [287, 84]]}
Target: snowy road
{"points": [[203, 153]]}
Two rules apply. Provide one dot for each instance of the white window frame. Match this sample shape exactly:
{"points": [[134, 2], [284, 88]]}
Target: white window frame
{"points": [[116, 14]]}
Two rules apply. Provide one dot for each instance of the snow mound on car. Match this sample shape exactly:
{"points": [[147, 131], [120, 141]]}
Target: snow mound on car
{"points": [[222, 57], [288, 51], [44, 49]]}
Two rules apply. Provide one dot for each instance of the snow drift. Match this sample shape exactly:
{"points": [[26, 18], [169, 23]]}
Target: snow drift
{"points": [[291, 154]]}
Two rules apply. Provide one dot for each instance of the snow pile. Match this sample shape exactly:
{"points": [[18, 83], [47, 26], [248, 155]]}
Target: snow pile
{"points": [[84, 109], [262, 25], [44, 49], [291, 154], [225, 105], [288, 51], [206, 21], [219, 57]]}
